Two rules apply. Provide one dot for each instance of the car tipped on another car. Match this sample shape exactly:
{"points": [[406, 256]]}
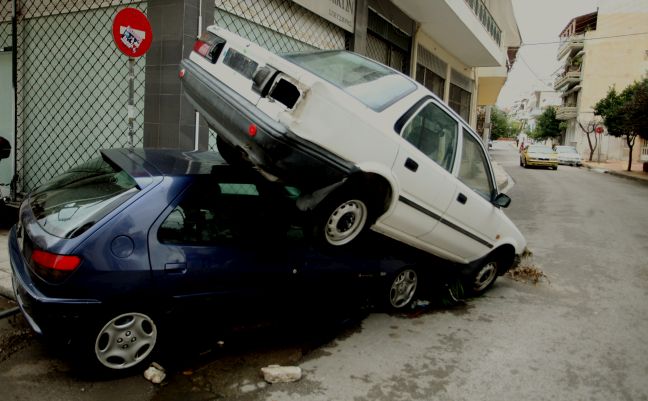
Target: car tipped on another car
{"points": [[536, 155], [368, 146], [138, 248]]}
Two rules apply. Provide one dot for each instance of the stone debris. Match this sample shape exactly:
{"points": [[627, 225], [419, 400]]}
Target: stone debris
{"points": [[155, 373], [281, 374]]}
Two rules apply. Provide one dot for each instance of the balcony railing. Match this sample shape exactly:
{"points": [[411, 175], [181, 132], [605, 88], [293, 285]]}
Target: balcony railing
{"points": [[568, 45], [566, 112], [486, 19], [568, 78]]}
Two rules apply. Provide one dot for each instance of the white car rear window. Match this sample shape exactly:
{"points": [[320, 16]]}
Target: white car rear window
{"points": [[374, 84]]}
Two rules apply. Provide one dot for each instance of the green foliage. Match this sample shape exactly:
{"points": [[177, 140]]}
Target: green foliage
{"points": [[501, 127], [624, 114], [547, 125]]}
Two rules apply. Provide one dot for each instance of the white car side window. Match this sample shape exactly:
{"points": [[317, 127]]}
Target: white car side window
{"points": [[474, 167], [434, 133]]}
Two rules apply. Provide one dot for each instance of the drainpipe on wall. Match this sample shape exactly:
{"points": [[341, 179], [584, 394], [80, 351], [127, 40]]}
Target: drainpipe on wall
{"points": [[487, 125], [13, 187], [414, 52], [197, 131]]}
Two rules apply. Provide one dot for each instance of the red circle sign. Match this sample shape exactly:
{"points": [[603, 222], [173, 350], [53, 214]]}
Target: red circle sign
{"points": [[132, 32], [599, 130]]}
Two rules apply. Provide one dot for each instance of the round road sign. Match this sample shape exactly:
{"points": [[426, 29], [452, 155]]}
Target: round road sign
{"points": [[132, 32], [599, 130]]}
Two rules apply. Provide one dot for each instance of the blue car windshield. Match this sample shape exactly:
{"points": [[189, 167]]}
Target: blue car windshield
{"points": [[74, 201], [374, 84]]}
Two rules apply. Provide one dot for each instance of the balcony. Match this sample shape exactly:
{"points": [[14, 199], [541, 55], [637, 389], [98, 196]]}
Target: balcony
{"points": [[568, 79], [572, 90], [570, 46], [566, 112], [572, 37], [486, 19], [465, 28]]}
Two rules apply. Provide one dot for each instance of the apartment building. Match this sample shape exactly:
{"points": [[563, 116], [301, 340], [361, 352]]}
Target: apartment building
{"points": [[605, 48]]}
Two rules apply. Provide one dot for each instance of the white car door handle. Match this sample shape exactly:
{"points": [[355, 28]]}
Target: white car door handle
{"points": [[462, 198], [411, 164]]}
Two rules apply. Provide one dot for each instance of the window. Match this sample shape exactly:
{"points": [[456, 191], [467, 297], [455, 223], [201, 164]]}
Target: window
{"points": [[230, 212], [74, 201], [373, 84], [434, 133], [430, 80], [460, 101], [474, 170], [240, 63]]}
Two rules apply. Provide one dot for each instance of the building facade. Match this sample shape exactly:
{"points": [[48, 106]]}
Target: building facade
{"points": [[604, 49], [69, 84], [531, 107]]}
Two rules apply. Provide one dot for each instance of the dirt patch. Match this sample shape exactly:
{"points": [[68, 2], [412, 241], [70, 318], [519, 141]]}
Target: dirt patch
{"points": [[527, 271], [15, 333]]}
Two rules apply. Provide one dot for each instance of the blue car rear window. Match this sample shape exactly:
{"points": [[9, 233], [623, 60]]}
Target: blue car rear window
{"points": [[72, 202]]}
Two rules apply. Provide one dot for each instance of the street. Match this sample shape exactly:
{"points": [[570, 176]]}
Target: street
{"points": [[578, 334]]}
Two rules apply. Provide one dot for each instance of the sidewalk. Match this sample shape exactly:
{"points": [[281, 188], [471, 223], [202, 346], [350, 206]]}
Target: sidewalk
{"points": [[619, 168], [6, 288]]}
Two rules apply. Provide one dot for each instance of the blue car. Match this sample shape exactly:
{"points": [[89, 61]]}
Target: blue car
{"points": [[108, 255]]}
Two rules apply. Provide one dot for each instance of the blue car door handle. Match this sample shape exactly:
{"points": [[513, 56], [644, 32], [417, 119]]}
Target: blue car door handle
{"points": [[175, 268]]}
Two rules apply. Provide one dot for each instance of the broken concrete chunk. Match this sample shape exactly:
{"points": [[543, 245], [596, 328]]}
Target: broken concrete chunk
{"points": [[155, 373], [281, 374]]}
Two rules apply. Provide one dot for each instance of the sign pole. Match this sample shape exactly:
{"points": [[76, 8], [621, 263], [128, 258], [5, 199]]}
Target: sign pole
{"points": [[132, 33], [131, 99]]}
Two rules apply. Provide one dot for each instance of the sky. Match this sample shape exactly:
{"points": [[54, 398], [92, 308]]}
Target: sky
{"points": [[539, 21]]}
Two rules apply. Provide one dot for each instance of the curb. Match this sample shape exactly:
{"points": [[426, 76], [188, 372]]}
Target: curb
{"points": [[7, 292], [617, 174]]}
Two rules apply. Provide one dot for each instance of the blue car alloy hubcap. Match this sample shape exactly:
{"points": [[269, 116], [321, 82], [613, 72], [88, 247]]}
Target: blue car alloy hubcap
{"points": [[125, 341]]}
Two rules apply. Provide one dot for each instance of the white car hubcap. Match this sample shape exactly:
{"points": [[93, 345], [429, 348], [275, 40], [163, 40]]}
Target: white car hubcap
{"points": [[346, 222]]}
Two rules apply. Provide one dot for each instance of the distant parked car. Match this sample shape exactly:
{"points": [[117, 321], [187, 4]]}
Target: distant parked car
{"points": [[368, 146], [110, 255], [568, 155], [538, 155]]}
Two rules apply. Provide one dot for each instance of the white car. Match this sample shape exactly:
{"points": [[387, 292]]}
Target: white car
{"points": [[568, 155], [368, 146]]}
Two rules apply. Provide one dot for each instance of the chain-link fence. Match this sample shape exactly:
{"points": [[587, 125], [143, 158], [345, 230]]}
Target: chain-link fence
{"points": [[72, 84], [280, 26]]}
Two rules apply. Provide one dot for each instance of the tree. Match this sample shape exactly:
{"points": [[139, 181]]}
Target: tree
{"points": [[624, 114], [590, 131], [500, 125], [547, 125]]}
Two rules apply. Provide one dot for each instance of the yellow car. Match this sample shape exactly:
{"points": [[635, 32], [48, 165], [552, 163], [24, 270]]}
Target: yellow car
{"points": [[539, 155]]}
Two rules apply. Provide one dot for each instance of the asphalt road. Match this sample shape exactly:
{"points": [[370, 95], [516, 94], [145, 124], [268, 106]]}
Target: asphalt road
{"points": [[577, 335]]}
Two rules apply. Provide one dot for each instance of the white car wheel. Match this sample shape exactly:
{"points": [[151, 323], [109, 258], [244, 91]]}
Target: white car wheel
{"points": [[482, 278], [346, 222]]}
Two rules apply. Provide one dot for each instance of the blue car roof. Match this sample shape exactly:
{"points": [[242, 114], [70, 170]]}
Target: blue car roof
{"points": [[168, 162]]}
